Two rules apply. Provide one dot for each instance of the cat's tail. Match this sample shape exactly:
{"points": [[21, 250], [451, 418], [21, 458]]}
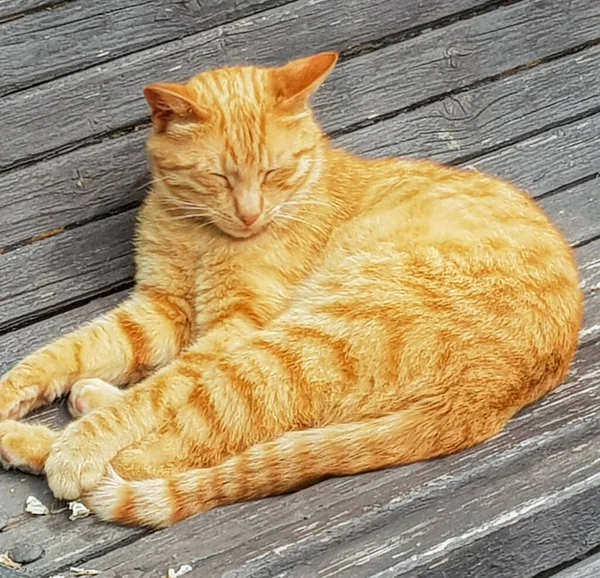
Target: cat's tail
{"points": [[294, 460]]}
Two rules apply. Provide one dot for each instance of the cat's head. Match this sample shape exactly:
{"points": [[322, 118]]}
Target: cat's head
{"points": [[234, 145]]}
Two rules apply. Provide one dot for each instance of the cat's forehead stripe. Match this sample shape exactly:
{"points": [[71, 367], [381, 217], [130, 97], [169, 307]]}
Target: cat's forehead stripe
{"points": [[237, 99]]}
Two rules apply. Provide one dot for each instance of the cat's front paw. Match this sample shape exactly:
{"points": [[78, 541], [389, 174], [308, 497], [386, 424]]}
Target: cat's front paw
{"points": [[75, 465], [25, 446], [90, 394], [17, 397]]}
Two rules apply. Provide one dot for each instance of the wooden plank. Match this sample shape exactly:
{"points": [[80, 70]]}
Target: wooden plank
{"points": [[106, 98], [589, 568], [88, 260], [34, 48], [453, 58], [486, 116], [94, 257], [108, 176], [577, 209], [539, 164], [99, 32], [83, 185], [424, 520], [588, 259], [572, 150], [17, 8]]}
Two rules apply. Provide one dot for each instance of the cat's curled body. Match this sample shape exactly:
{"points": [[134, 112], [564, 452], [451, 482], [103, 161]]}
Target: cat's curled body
{"points": [[298, 313]]}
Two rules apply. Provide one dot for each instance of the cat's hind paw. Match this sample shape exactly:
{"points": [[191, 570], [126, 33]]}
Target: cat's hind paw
{"points": [[90, 394], [25, 446]]}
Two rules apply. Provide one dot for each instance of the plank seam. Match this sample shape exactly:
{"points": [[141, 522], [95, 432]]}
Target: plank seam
{"points": [[586, 241], [272, 5], [127, 541], [145, 123], [403, 35], [529, 134], [568, 564], [65, 306], [580, 181], [74, 225], [50, 5], [345, 55], [477, 84]]}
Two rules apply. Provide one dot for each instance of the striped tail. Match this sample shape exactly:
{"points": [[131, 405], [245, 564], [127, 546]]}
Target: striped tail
{"points": [[294, 460]]}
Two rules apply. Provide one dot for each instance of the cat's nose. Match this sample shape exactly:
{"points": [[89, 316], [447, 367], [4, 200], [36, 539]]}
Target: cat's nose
{"points": [[248, 218]]}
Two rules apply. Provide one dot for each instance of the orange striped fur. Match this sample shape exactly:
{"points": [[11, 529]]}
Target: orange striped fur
{"points": [[299, 313]]}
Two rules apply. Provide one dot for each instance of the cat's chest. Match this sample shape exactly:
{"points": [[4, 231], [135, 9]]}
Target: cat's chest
{"points": [[246, 285]]}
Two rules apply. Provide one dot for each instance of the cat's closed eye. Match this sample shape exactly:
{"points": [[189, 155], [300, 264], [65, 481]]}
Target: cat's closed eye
{"points": [[224, 180], [268, 175], [272, 175]]}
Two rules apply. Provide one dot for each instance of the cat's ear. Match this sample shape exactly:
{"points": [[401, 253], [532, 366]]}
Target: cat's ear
{"points": [[299, 79], [170, 100]]}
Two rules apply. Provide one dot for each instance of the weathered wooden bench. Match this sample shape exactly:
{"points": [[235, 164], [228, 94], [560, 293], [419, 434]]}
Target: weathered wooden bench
{"points": [[508, 86]]}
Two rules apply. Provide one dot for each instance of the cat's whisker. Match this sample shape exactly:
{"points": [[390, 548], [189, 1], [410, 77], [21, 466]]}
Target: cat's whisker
{"points": [[188, 211], [187, 204], [190, 216], [148, 184]]}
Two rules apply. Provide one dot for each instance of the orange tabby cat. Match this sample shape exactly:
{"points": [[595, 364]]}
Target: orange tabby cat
{"points": [[298, 313]]}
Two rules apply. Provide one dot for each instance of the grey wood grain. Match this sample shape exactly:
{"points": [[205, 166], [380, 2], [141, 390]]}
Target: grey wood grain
{"points": [[110, 175], [486, 116], [108, 97], [577, 209], [17, 8], [540, 164], [73, 188], [34, 47], [452, 58], [433, 519], [571, 149], [91, 258], [88, 260], [588, 259], [589, 568]]}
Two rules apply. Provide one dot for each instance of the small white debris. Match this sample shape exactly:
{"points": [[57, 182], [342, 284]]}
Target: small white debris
{"points": [[78, 510], [181, 572], [8, 562], [83, 572], [58, 576], [35, 507]]}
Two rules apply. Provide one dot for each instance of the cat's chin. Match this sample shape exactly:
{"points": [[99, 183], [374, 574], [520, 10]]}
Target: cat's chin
{"points": [[244, 233]]}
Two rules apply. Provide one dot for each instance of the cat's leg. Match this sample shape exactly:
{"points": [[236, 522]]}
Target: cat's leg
{"points": [[143, 333], [83, 451]]}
